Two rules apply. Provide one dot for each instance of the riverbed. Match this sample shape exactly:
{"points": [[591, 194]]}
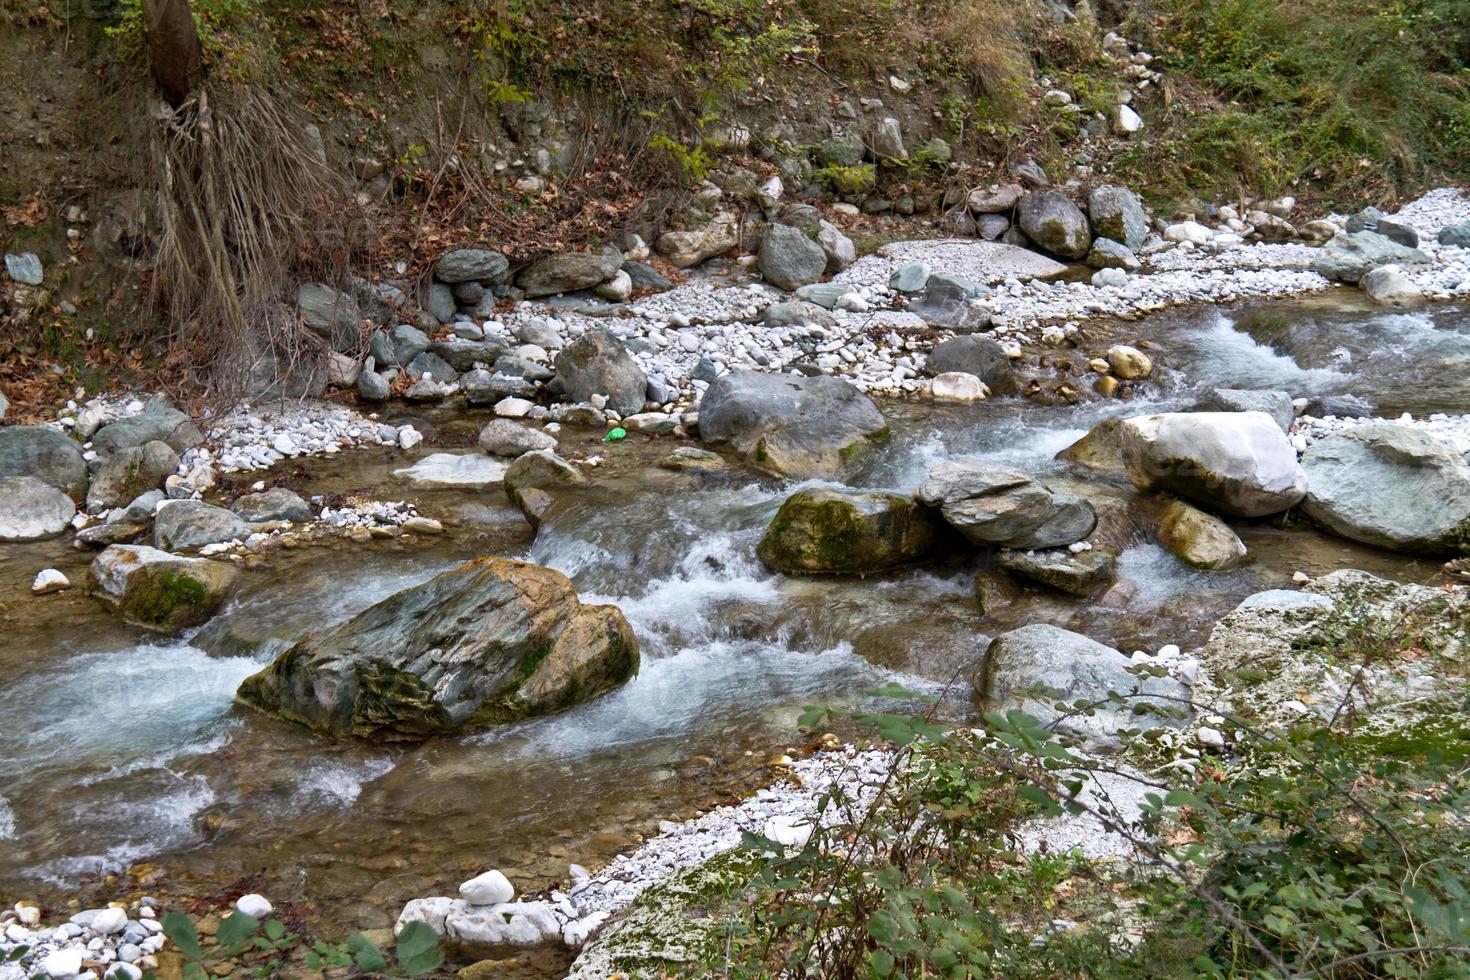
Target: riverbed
{"points": [[124, 752]]}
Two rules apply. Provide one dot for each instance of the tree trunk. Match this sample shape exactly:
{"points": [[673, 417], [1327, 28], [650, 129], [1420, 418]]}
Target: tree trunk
{"points": [[175, 56]]}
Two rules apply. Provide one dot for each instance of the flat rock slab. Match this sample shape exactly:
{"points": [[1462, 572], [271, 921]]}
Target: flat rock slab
{"points": [[983, 262], [448, 470]]}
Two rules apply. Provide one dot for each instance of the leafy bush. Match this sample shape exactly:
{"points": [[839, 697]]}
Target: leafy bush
{"points": [[269, 944]]}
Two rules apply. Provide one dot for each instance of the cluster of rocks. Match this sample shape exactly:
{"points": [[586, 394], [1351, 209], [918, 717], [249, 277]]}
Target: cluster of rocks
{"points": [[119, 942]]}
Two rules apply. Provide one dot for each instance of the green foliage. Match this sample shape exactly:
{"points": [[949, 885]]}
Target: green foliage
{"points": [[1365, 98], [845, 179], [268, 944], [1304, 852], [234, 47], [693, 160]]}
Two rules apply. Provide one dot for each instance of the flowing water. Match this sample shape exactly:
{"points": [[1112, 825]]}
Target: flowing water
{"points": [[121, 752]]}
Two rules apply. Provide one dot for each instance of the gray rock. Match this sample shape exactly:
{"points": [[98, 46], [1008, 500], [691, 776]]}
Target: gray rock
{"points": [[463, 355], [998, 199], [186, 524], [992, 506], [332, 315], [1390, 485], [645, 276], [1053, 222], [838, 248], [1365, 220], [485, 388], [504, 437], [159, 591], [1037, 666], [159, 420], [788, 258], [911, 277], [1340, 406], [691, 458], [823, 294], [887, 140], [597, 364], [705, 370], [946, 303], [519, 367], [371, 386], [381, 349], [102, 535], [4, 405], [530, 482], [1080, 574], [490, 642], [433, 365], [43, 453], [1029, 172], [1404, 234], [692, 246], [1116, 213], [468, 295], [1108, 254], [992, 227], [127, 473], [471, 265], [792, 426], [980, 356], [796, 313], [32, 510], [439, 302], [1458, 234], [408, 342], [1388, 285], [567, 272], [141, 508], [275, 504], [429, 390], [1276, 404], [24, 268], [1349, 257], [444, 471], [841, 151], [1237, 462], [828, 532]]}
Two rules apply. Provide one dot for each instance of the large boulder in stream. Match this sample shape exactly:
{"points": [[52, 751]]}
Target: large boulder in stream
{"points": [[1349, 257], [1240, 463], [1198, 539], [157, 590], [792, 426], [821, 531], [32, 510], [1390, 485], [530, 480], [180, 525], [1034, 667], [45, 454], [996, 507], [1052, 221], [980, 356], [490, 642]]}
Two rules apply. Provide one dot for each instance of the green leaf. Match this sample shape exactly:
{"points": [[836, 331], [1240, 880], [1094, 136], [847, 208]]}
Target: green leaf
{"points": [[418, 949], [179, 929], [313, 961], [367, 956], [881, 963], [274, 930], [235, 927]]}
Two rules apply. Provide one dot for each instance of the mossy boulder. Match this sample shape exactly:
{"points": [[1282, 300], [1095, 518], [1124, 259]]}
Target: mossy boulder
{"points": [[159, 591], [490, 642], [826, 532]]}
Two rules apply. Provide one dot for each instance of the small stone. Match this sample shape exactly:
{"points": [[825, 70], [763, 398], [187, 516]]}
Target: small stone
{"points": [[957, 386], [49, 580], [490, 888], [513, 408], [255, 906]]}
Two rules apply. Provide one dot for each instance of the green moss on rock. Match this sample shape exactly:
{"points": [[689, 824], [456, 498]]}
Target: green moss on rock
{"points": [[827, 532]]}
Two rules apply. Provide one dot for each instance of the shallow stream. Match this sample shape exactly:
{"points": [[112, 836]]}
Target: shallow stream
{"points": [[122, 751]]}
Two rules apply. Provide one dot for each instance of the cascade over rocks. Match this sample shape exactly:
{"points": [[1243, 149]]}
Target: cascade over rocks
{"points": [[1034, 667], [157, 590], [490, 642], [1237, 462], [1390, 485], [821, 531], [42, 453], [996, 507], [789, 425]]}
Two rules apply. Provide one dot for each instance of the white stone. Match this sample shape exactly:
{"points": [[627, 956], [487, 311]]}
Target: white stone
{"points": [[408, 437], [788, 831], [49, 580], [513, 408], [109, 920], [1210, 737], [256, 906], [957, 386], [1125, 121], [125, 970], [438, 470], [509, 924], [63, 963], [1189, 231], [490, 888], [430, 911]]}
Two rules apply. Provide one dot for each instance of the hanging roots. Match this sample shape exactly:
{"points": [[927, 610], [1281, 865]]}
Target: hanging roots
{"points": [[248, 208]]}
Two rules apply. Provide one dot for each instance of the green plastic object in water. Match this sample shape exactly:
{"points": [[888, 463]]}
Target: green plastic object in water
{"points": [[615, 435]]}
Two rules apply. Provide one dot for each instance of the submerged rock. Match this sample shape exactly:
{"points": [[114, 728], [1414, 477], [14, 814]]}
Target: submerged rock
{"points": [[996, 507], [1238, 462], [1390, 485], [444, 470], [792, 426], [822, 531], [1034, 667], [1198, 539], [157, 590], [490, 642], [692, 458]]}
